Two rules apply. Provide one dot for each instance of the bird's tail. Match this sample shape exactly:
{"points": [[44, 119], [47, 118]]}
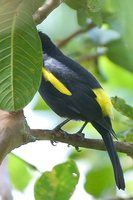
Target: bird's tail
{"points": [[107, 138]]}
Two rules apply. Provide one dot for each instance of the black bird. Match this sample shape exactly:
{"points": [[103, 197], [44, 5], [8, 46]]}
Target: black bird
{"points": [[73, 92]]}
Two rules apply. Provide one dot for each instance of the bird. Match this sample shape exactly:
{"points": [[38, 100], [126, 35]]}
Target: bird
{"points": [[74, 93]]}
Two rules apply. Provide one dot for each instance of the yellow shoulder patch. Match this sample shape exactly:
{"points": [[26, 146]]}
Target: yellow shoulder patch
{"points": [[55, 82], [104, 102]]}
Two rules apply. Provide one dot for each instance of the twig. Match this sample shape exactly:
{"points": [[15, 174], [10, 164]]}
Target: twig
{"points": [[92, 57], [63, 42], [45, 10]]}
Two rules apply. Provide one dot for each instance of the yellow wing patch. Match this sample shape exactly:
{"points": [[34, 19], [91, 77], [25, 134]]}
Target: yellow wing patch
{"points": [[104, 102], [55, 82]]}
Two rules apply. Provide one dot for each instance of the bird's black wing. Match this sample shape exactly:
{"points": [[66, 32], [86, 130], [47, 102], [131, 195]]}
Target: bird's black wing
{"points": [[82, 99], [64, 67]]}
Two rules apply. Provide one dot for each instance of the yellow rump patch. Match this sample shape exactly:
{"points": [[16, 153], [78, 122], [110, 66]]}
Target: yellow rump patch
{"points": [[55, 82], [104, 102]]}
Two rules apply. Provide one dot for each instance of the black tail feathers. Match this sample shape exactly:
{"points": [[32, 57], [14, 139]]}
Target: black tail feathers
{"points": [[106, 135]]}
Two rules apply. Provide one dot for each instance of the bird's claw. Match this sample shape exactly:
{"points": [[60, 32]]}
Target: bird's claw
{"points": [[54, 143]]}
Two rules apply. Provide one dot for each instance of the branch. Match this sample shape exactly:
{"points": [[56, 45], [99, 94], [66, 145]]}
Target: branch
{"points": [[15, 132], [45, 10], [76, 141], [63, 42]]}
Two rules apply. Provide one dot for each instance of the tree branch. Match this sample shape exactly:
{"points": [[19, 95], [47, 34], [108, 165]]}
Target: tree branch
{"points": [[15, 132], [77, 141], [45, 10], [63, 42]]}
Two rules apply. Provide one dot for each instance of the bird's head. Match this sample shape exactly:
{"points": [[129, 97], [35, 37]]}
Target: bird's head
{"points": [[47, 44]]}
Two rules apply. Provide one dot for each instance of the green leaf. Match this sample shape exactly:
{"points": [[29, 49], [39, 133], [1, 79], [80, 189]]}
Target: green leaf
{"points": [[20, 55], [121, 106], [129, 135], [121, 20], [82, 15], [120, 54], [76, 4], [87, 8], [96, 17], [19, 172], [81, 8], [95, 5], [99, 180], [58, 184], [94, 11]]}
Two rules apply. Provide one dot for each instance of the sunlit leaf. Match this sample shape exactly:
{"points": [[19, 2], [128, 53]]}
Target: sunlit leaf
{"points": [[58, 184], [129, 136], [19, 172], [40, 104]]}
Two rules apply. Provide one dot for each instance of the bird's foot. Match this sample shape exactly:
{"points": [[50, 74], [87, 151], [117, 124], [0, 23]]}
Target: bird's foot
{"points": [[58, 128], [54, 143], [80, 133]]}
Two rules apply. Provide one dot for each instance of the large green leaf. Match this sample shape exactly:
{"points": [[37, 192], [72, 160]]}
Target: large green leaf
{"points": [[58, 184], [20, 54]]}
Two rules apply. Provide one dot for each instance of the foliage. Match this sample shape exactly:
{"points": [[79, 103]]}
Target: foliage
{"points": [[122, 107], [20, 57], [59, 183], [17, 167], [94, 176], [105, 48]]}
